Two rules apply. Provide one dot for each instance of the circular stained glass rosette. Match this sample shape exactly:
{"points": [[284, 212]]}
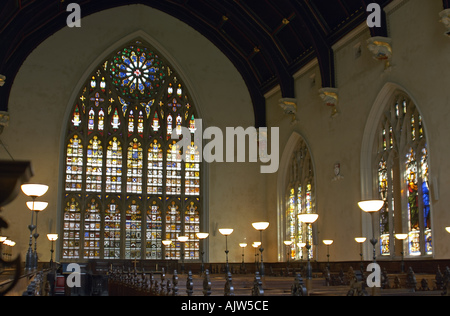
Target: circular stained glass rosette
{"points": [[137, 72]]}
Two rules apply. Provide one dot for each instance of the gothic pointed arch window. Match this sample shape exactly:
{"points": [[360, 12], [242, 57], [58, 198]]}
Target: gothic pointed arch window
{"points": [[403, 180], [127, 184], [300, 199]]}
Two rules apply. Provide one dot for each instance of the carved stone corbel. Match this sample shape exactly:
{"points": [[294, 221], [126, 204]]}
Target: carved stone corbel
{"points": [[4, 120], [330, 97], [381, 49], [289, 107], [445, 19]]}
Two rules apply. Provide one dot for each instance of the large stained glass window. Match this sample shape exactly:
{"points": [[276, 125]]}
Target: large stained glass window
{"points": [[402, 181], [300, 199], [127, 184]]}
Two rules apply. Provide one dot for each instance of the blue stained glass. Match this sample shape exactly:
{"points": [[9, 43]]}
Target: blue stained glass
{"points": [[126, 61], [426, 203]]}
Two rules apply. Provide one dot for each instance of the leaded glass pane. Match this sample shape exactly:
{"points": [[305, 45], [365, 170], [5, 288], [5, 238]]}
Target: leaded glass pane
{"points": [[71, 230], [112, 231], [154, 232], [92, 230], [133, 227]]}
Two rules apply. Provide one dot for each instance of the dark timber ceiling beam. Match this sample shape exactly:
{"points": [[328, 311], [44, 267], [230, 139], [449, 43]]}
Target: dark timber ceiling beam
{"points": [[323, 49]]}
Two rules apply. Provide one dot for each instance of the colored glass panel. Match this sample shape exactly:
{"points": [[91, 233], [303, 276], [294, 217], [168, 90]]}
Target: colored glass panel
{"points": [[94, 166], [74, 164], [426, 201], [92, 231], [71, 230], [191, 227], [133, 231], [384, 212], [292, 222], [155, 169], [153, 248], [137, 72], [173, 230], [111, 240], [114, 167], [192, 171], [413, 202], [134, 167], [173, 174]]}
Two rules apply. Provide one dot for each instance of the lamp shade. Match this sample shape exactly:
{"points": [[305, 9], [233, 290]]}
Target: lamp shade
{"points": [[226, 231], [52, 237], [183, 238], [401, 236], [371, 206], [243, 245], [287, 242], [202, 235], [447, 229], [166, 242], [256, 244], [9, 243], [360, 239], [308, 218], [327, 242], [301, 244], [34, 190], [260, 225], [37, 206]]}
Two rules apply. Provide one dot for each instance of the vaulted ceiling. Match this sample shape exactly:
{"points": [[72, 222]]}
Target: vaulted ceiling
{"points": [[267, 40]]}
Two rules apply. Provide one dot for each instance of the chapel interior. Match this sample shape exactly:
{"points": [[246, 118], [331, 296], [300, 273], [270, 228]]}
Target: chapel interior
{"points": [[337, 102]]}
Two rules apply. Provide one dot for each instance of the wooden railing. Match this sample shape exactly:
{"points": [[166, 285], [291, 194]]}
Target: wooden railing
{"points": [[133, 283], [28, 284]]}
